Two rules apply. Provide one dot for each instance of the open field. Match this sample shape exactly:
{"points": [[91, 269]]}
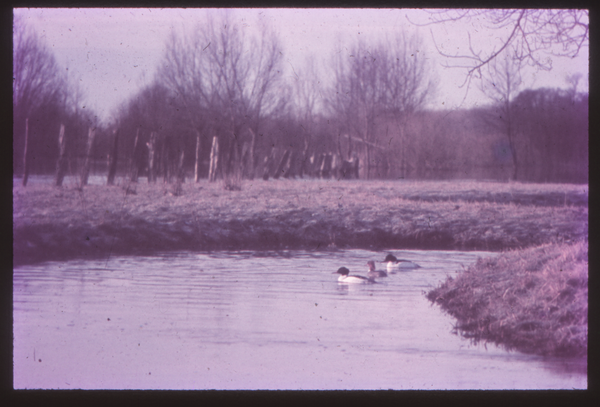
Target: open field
{"points": [[51, 223], [533, 300]]}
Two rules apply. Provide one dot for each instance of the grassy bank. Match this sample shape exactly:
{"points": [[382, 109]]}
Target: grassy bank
{"points": [[52, 223], [533, 300]]}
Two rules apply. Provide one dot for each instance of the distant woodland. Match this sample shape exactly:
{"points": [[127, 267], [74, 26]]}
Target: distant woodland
{"points": [[219, 106]]}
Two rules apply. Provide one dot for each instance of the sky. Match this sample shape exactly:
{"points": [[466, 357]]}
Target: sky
{"points": [[113, 53]]}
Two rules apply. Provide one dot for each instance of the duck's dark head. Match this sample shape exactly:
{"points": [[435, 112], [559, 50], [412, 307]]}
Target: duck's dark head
{"points": [[371, 265], [343, 271], [390, 257]]}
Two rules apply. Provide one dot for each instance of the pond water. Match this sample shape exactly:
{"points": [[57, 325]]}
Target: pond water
{"points": [[254, 320]]}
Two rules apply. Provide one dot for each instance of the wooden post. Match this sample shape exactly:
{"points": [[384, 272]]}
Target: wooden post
{"points": [[85, 172], [312, 165], [334, 165], [290, 168], [177, 190], [180, 169], [197, 165], [151, 153], [303, 168], [318, 165], [165, 159], [282, 164], [356, 165], [326, 166], [252, 158], [112, 159], [61, 162], [214, 160], [267, 164], [134, 162], [25, 154]]}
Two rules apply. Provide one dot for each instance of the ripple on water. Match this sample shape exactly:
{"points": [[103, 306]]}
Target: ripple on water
{"points": [[249, 320]]}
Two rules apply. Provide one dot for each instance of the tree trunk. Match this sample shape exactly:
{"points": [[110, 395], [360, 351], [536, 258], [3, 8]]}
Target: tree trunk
{"points": [[197, 164], [112, 160], [25, 154], [85, 172], [61, 163]]}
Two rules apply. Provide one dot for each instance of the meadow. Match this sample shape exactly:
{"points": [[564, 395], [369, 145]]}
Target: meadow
{"points": [[51, 223]]}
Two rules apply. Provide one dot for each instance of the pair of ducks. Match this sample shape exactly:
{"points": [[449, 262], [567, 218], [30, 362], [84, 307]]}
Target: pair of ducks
{"points": [[392, 264]]}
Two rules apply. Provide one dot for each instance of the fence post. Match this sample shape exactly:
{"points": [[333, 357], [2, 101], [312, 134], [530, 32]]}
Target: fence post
{"points": [[85, 172], [180, 178], [134, 162], [25, 154], [60, 164], [197, 165], [282, 164], [214, 160], [151, 152], [252, 159], [112, 160]]}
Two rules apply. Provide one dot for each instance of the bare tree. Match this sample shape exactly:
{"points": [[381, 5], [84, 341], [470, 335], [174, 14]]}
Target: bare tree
{"points": [[307, 97], [390, 78], [501, 81], [37, 79], [532, 34], [225, 79], [38, 89]]}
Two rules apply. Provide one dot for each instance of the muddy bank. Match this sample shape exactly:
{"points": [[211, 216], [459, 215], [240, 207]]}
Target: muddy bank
{"points": [[52, 223], [533, 300]]}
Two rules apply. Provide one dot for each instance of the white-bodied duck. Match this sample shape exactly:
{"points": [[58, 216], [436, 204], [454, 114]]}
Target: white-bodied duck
{"points": [[399, 264], [345, 277]]}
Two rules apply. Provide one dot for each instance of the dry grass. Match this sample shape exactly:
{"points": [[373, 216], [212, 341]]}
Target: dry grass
{"points": [[533, 300], [56, 223]]}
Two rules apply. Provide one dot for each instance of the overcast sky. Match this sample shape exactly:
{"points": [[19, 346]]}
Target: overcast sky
{"points": [[114, 52]]}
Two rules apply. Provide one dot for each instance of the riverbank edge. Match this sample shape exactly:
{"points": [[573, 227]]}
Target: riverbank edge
{"points": [[34, 243], [533, 300]]}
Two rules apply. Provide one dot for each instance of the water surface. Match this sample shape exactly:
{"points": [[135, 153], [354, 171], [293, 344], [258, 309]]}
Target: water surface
{"points": [[249, 320]]}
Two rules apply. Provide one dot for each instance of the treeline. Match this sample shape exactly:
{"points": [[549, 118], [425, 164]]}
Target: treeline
{"points": [[219, 107]]}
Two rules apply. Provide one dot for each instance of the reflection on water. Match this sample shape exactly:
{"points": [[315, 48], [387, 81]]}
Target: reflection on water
{"points": [[247, 320]]}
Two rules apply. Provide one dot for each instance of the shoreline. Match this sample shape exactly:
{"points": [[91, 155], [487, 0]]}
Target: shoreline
{"points": [[533, 300]]}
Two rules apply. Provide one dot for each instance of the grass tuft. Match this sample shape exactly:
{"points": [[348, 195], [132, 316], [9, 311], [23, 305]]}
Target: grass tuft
{"points": [[533, 300]]}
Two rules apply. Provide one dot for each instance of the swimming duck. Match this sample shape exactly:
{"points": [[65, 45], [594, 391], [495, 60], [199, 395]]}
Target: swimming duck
{"points": [[374, 273], [345, 277], [394, 263]]}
